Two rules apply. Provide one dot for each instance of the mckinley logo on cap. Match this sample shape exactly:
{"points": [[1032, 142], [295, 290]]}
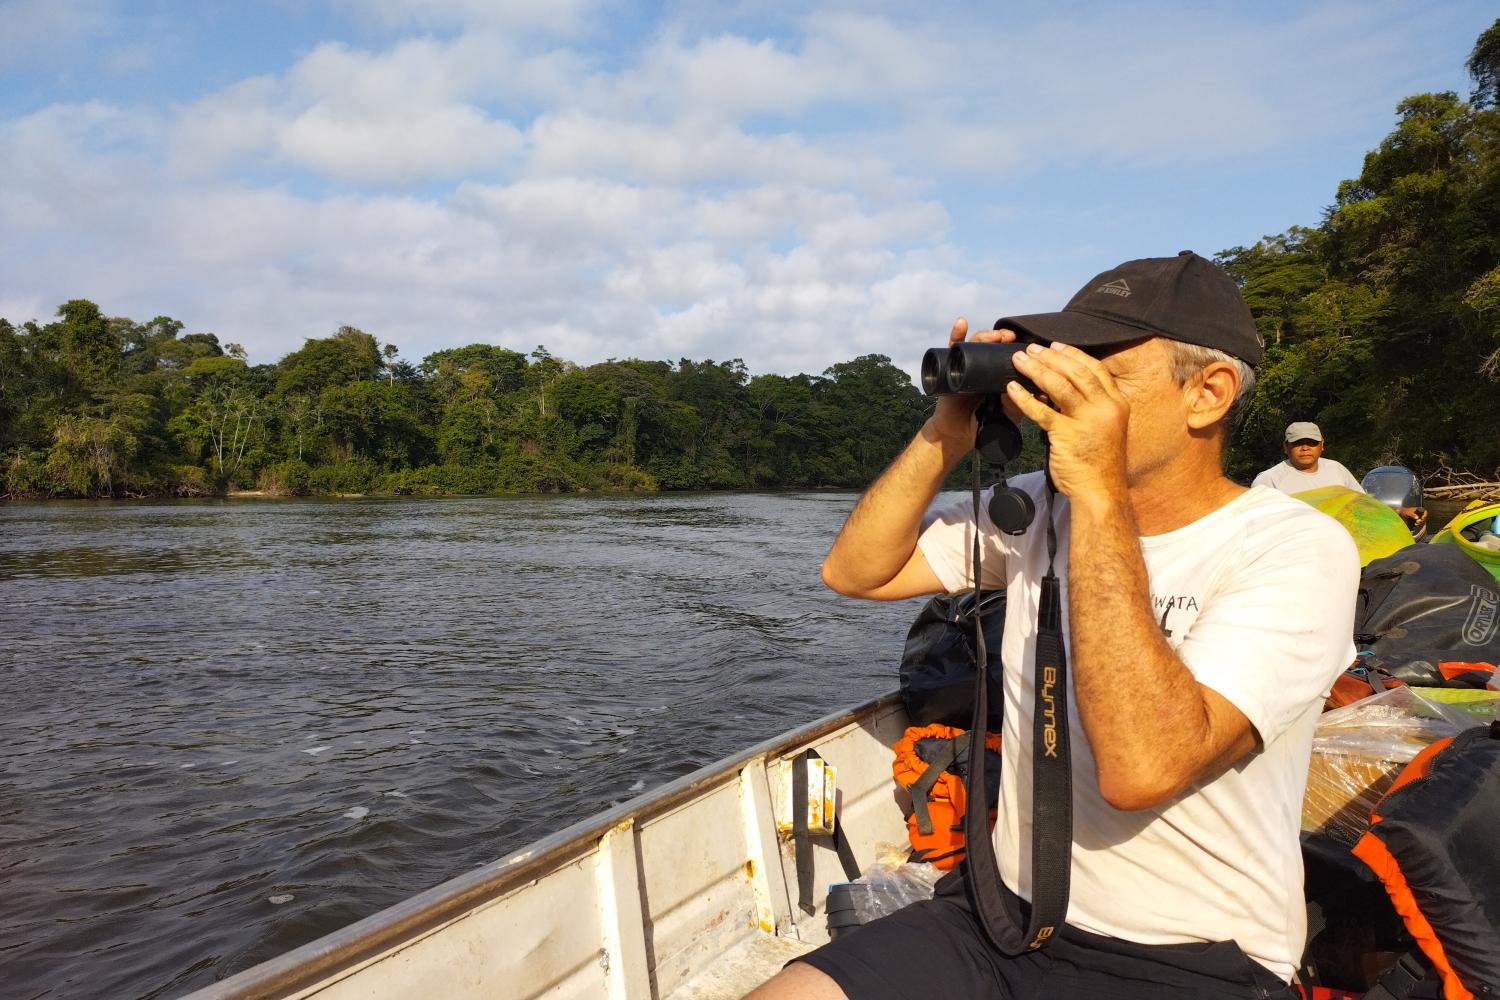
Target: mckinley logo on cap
{"points": [[1116, 287]]}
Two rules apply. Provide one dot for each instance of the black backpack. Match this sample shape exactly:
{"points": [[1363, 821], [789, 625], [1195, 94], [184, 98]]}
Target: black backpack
{"points": [[937, 665]]}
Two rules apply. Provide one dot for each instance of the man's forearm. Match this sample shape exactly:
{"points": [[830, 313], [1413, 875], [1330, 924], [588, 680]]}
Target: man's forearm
{"points": [[881, 532], [1144, 713]]}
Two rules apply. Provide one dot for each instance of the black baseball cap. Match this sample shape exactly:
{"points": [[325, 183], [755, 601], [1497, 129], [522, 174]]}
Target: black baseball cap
{"points": [[1185, 298]]}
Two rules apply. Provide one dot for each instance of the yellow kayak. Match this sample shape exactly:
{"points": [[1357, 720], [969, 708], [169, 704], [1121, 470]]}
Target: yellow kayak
{"points": [[1464, 531], [1377, 530]]}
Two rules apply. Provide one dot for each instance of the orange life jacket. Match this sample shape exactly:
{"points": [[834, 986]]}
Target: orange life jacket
{"points": [[930, 765]]}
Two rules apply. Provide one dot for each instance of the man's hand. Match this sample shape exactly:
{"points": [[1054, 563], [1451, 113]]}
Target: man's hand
{"points": [[954, 420], [1415, 517], [1085, 423], [876, 555]]}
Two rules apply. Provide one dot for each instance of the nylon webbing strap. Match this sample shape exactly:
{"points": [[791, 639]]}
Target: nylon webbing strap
{"points": [[800, 843], [845, 851], [921, 789], [801, 839], [1051, 769]]}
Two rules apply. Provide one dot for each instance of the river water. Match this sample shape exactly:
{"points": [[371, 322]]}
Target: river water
{"points": [[230, 728]]}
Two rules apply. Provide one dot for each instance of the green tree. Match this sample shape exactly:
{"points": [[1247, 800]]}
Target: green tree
{"points": [[1484, 67], [506, 369], [349, 356], [89, 350], [12, 383], [469, 430], [374, 420], [871, 409], [90, 456], [222, 417]]}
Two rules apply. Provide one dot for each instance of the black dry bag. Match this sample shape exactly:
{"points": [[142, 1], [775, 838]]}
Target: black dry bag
{"points": [[937, 665], [1432, 842], [1426, 604]]}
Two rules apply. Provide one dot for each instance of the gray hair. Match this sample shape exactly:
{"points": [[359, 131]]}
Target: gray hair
{"points": [[1189, 360]]}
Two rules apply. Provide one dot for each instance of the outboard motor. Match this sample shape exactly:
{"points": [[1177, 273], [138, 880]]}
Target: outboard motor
{"points": [[1398, 488]]}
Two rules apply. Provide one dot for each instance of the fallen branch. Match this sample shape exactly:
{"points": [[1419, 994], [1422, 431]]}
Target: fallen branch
{"points": [[1465, 491], [1447, 483]]}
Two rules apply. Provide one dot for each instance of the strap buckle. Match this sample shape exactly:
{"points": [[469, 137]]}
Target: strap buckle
{"points": [[1398, 981]]}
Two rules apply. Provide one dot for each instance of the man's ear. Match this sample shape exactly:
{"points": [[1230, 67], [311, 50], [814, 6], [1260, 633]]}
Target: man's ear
{"points": [[1212, 394]]}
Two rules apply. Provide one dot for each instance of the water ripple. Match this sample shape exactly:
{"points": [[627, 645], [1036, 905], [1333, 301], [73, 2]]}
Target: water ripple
{"points": [[236, 727]]}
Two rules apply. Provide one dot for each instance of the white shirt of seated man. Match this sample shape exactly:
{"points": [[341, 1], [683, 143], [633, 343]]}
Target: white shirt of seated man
{"points": [[1305, 468]]}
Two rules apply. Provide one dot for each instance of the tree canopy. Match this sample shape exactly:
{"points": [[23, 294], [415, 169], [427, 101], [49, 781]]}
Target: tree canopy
{"points": [[97, 407]]}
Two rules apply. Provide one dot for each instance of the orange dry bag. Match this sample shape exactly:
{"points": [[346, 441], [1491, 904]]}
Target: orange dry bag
{"points": [[930, 764]]}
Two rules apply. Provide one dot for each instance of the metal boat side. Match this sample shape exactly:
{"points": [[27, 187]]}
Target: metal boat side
{"points": [[685, 891]]}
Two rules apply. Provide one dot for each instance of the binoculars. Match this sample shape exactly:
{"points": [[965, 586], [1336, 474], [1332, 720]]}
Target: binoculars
{"points": [[972, 370], [977, 369]]}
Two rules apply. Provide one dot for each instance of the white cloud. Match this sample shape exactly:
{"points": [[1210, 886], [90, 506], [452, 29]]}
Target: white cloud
{"points": [[395, 118], [691, 153], [556, 16], [574, 217], [680, 274], [413, 74], [38, 31], [722, 79], [240, 121], [398, 148], [1159, 87], [66, 166], [592, 268], [686, 190], [129, 59]]}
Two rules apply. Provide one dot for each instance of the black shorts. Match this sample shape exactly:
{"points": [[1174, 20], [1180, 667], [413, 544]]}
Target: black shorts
{"points": [[935, 948]]}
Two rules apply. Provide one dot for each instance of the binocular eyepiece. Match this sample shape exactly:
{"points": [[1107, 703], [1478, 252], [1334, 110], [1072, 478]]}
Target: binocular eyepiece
{"points": [[974, 369]]}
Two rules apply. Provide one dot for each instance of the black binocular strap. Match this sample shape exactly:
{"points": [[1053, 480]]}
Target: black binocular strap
{"points": [[800, 836], [1051, 773]]}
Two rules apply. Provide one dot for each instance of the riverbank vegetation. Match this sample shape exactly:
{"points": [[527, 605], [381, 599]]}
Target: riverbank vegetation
{"points": [[92, 406], [1382, 323]]}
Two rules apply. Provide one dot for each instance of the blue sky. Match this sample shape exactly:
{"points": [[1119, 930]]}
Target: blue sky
{"points": [[789, 184]]}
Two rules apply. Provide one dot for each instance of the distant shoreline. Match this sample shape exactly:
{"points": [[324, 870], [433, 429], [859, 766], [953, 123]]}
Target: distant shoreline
{"points": [[1440, 501], [265, 495]]}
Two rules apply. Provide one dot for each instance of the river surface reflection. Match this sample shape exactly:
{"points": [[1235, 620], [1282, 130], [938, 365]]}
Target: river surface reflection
{"points": [[233, 727]]}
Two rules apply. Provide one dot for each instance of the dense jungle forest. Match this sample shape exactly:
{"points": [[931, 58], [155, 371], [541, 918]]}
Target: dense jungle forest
{"points": [[93, 406], [1382, 323]]}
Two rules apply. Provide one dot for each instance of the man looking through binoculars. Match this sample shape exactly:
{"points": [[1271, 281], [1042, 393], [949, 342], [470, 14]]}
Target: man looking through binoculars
{"points": [[1204, 624]]}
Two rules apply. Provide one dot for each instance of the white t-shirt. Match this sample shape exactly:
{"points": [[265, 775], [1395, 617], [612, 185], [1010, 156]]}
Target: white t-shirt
{"points": [[1257, 599], [1287, 478]]}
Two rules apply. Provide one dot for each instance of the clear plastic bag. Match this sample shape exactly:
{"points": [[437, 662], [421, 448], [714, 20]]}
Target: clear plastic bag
{"points": [[889, 883], [1358, 751]]}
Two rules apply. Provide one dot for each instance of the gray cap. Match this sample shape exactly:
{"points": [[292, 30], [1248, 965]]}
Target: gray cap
{"points": [[1303, 430]]}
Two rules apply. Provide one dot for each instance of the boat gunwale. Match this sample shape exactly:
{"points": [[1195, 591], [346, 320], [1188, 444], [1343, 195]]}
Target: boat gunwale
{"points": [[410, 919]]}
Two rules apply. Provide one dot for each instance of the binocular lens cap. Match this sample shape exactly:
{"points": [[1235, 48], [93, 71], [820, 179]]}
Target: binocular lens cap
{"points": [[1011, 510]]}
